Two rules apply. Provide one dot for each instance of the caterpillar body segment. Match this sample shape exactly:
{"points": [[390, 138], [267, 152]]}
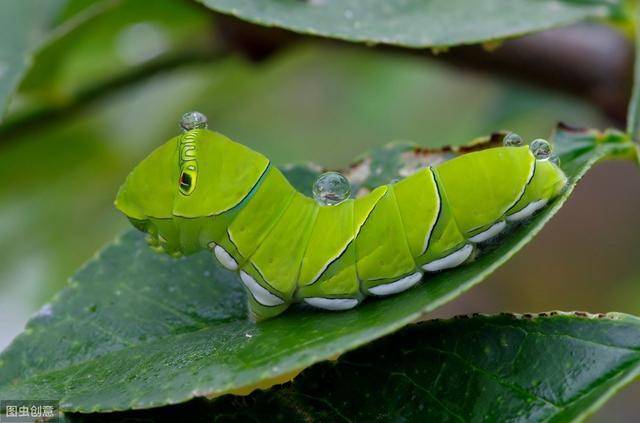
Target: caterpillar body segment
{"points": [[201, 190]]}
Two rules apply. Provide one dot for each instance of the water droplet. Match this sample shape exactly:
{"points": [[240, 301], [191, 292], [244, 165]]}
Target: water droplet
{"points": [[541, 149], [331, 188], [193, 120], [513, 140], [555, 159]]}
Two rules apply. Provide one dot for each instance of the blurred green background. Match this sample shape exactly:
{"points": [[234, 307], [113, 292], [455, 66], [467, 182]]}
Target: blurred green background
{"points": [[102, 96]]}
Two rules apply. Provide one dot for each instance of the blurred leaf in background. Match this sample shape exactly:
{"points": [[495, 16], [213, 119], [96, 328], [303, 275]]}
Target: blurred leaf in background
{"points": [[417, 23], [24, 26], [125, 39]]}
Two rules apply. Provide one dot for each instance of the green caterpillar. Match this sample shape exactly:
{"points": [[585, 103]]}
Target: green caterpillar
{"points": [[201, 190]]}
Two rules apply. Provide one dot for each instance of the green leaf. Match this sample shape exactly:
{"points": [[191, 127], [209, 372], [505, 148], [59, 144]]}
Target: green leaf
{"points": [[550, 367], [416, 23], [135, 329], [24, 25], [29, 25], [119, 44]]}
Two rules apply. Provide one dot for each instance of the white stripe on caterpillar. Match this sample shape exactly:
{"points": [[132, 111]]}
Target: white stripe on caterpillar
{"points": [[489, 233], [427, 239], [452, 260], [527, 211], [332, 303], [225, 258], [262, 295], [397, 286]]}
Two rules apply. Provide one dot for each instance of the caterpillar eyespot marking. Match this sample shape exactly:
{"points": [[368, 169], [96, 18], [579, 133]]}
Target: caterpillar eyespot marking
{"points": [[200, 190], [333, 304]]}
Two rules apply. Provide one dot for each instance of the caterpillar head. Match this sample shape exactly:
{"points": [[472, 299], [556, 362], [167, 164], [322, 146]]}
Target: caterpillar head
{"points": [[199, 173]]}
